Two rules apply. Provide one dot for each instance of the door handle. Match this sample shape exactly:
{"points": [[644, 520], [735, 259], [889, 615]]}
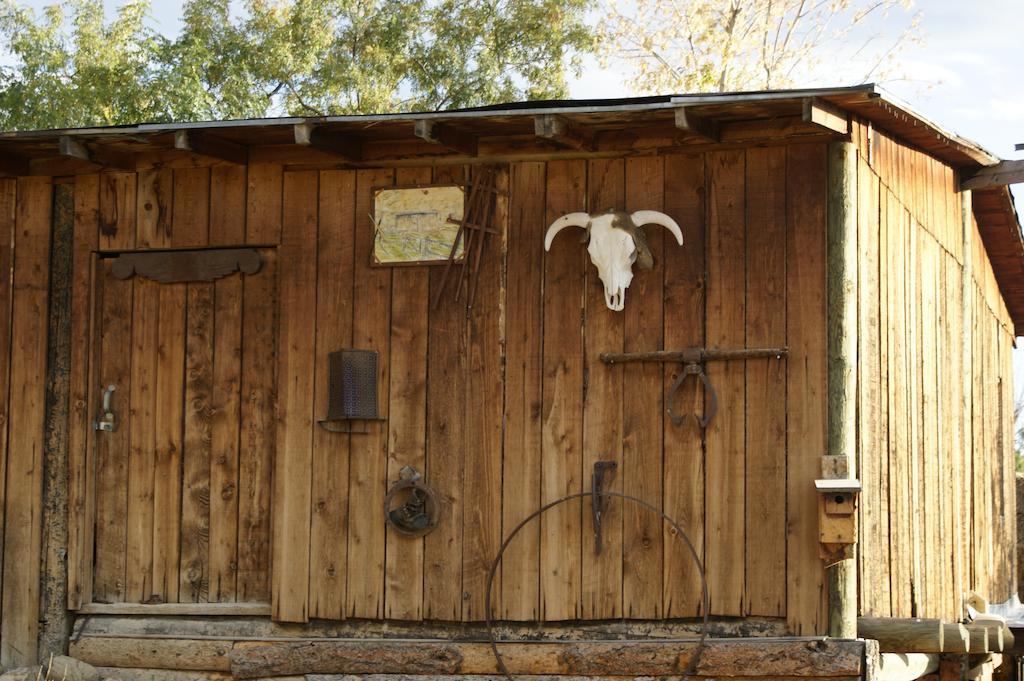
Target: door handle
{"points": [[107, 421]]}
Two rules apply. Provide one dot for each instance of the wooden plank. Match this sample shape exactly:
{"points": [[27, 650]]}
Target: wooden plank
{"points": [[765, 587], [562, 132], [446, 344], [117, 211], [642, 410], [263, 204], [153, 207], [19, 622], [295, 363], [933, 451], [178, 610], [826, 115], [81, 453], [482, 483], [725, 435], [407, 419], [191, 211], [883, 460], [195, 523], [519, 588], [602, 411], [805, 382], [259, 353], [227, 227], [562, 426], [368, 481], [998, 175], [168, 422], [142, 445], [684, 327], [329, 520]]}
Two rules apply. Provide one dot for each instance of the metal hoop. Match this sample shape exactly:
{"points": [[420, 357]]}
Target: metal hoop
{"points": [[705, 602]]}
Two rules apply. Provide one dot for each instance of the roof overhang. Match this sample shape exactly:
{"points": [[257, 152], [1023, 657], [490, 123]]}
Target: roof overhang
{"points": [[533, 130]]}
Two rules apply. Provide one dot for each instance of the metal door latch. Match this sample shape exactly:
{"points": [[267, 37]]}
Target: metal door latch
{"points": [[108, 420]]}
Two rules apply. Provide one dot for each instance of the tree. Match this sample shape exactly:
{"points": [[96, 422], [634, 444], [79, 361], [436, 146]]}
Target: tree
{"points": [[72, 67], [728, 45]]}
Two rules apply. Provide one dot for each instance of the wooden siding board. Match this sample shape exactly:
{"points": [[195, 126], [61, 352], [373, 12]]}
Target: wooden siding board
{"points": [[295, 363], [227, 205], [684, 327], [263, 204], [19, 622], [765, 587], [153, 207], [446, 406], [482, 530], [331, 457], [805, 383], [602, 410], [81, 453], [518, 593], [725, 436], [191, 211], [562, 440], [117, 211], [407, 396], [642, 411], [367, 479], [194, 575]]}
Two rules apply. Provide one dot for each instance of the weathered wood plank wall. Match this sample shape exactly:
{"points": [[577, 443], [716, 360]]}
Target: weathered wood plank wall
{"points": [[503, 409], [937, 465]]}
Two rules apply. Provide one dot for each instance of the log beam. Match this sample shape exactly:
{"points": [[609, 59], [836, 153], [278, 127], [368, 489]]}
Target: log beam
{"points": [[204, 144], [69, 147], [906, 666], [559, 130], [706, 129], [447, 136], [998, 175], [828, 116], [914, 635], [337, 144]]}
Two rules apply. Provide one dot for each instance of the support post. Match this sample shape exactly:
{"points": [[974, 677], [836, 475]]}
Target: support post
{"points": [[55, 621], [841, 262]]}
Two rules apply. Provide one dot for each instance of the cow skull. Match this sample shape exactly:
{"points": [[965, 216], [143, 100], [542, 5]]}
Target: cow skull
{"points": [[616, 241]]}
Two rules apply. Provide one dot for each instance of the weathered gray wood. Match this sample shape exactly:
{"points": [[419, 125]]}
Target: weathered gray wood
{"points": [[345, 146], [998, 175], [55, 620], [69, 147], [707, 129], [158, 610], [130, 674], [906, 666], [169, 267], [903, 635], [717, 657], [560, 131], [153, 653], [203, 144], [446, 135], [842, 269]]}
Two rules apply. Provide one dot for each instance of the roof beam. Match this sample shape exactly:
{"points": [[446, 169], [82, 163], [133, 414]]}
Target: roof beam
{"points": [[203, 144], [69, 147], [696, 125], [559, 130], [826, 115], [447, 136], [13, 165], [345, 146], [998, 175]]}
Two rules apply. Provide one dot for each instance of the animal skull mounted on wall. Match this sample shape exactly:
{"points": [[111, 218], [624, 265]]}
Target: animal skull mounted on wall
{"points": [[615, 241]]}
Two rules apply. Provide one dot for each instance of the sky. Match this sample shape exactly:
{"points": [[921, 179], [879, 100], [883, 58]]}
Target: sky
{"points": [[966, 74]]}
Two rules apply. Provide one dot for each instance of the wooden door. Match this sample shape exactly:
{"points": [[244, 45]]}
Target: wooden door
{"points": [[182, 484]]}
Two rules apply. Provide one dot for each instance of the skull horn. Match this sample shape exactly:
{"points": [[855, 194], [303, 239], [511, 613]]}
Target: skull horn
{"points": [[653, 217], [569, 220]]}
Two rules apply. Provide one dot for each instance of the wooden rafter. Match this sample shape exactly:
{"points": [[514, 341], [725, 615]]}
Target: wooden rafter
{"points": [[338, 144], [562, 132], [13, 165], [825, 115], [998, 175], [447, 136], [204, 144], [705, 128], [69, 147]]}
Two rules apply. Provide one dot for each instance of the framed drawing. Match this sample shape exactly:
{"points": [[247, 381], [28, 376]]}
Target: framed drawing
{"points": [[416, 225]]}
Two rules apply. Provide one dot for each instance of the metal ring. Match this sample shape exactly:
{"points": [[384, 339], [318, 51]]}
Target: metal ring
{"points": [[704, 599], [431, 507]]}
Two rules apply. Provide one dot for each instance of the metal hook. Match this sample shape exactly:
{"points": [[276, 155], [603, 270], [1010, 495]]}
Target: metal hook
{"points": [[710, 396]]}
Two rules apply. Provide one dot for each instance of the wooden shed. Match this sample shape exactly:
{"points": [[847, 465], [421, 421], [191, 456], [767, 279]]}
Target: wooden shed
{"points": [[849, 286]]}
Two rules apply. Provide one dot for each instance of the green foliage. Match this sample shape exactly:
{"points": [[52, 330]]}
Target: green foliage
{"points": [[72, 67]]}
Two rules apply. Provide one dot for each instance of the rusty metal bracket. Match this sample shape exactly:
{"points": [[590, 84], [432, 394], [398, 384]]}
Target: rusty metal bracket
{"points": [[693, 360], [598, 499]]}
